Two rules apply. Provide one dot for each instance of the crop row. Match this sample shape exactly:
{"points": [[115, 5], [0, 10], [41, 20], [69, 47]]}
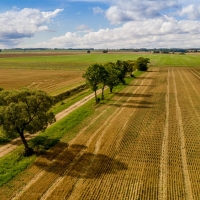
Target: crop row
{"points": [[144, 144]]}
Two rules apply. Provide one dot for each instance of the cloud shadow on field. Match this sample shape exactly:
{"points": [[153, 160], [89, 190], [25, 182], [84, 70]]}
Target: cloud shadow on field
{"points": [[74, 161]]}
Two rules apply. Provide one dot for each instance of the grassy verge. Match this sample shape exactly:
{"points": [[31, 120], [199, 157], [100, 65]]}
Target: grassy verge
{"points": [[14, 163], [70, 101], [4, 138]]}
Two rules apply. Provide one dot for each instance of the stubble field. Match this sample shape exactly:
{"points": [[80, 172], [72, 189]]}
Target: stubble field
{"points": [[58, 71], [143, 144]]}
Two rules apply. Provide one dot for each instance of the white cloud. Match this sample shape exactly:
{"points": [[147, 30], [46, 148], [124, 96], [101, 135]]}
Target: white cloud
{"points": [[144, 23], [17, 24], [131, 10], [159, 32], [98, 10], [83, 28], [191, 11]]}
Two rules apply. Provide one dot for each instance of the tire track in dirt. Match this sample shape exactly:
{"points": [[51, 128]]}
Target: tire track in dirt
{"points": [[195, 74], [38, 176], [198, 94], [103, 140], [189, 96], [41, 173], [164, 155], [102, 130], [112, 181], [191, 121], [196, 71], [187, 183]]}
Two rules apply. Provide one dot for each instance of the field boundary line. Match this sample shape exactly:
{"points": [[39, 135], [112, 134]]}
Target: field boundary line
{"points": [[162, 195], [187, 183]]}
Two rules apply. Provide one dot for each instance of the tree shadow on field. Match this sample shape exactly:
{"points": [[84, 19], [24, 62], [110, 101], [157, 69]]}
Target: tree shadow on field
{"points": [[144, 85], [152, 71], [149, 78], [74, 161], [130, 105], [133, 95]]}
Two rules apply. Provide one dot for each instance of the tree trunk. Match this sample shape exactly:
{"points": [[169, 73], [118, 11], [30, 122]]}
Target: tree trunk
{"points": [[111, 89], [96, 99], [102, 94], [28, 150]]}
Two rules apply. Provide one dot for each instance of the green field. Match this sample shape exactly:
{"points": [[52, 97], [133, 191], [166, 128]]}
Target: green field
{"points": [[75, 61]]}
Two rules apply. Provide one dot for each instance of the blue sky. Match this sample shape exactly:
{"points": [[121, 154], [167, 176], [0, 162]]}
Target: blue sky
{"points": [[98, 24]]}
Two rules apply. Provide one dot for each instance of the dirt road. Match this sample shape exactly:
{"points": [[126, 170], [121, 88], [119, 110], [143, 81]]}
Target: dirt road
{"points": [[7, 148]]}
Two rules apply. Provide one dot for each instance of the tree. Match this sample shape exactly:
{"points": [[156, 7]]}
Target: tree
{"points": [[123, 67], [103, 75], [141, 63], [113, 75], [131, 66], [92, 76], [25, 110]]}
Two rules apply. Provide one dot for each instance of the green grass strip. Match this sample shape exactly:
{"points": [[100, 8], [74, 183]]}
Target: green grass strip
{"points": [[14, 163]]}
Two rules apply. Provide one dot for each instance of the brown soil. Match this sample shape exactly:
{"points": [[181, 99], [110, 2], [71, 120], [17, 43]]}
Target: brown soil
{"points": [[47, 80], [143, 145]]}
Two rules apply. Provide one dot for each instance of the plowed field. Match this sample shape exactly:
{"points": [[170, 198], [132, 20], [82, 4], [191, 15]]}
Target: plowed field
{"points": [[51, 81], [144, 144]]}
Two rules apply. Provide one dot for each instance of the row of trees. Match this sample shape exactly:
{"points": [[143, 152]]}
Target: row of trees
{"points": [[28, 110], [111, 74]]}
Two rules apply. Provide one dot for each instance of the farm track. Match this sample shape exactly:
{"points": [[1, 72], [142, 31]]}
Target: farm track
{"points": [[7, 148], [144, 145], [164, 156]]}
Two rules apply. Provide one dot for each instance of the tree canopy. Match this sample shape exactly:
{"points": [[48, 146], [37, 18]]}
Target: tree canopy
{"points": [[112, 74], [141, 63], [25, 110], [93, 77]]}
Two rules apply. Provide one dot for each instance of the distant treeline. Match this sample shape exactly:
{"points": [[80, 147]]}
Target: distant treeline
{"points": [[163, 50], [154, 50]]}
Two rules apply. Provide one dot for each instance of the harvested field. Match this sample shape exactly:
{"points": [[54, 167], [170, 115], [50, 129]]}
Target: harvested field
{"points": [[17, 55], [144, 144], [51, 81]]}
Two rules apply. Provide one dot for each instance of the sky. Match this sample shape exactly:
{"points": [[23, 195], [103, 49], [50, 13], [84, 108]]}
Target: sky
{"points": [[99, 24]]}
